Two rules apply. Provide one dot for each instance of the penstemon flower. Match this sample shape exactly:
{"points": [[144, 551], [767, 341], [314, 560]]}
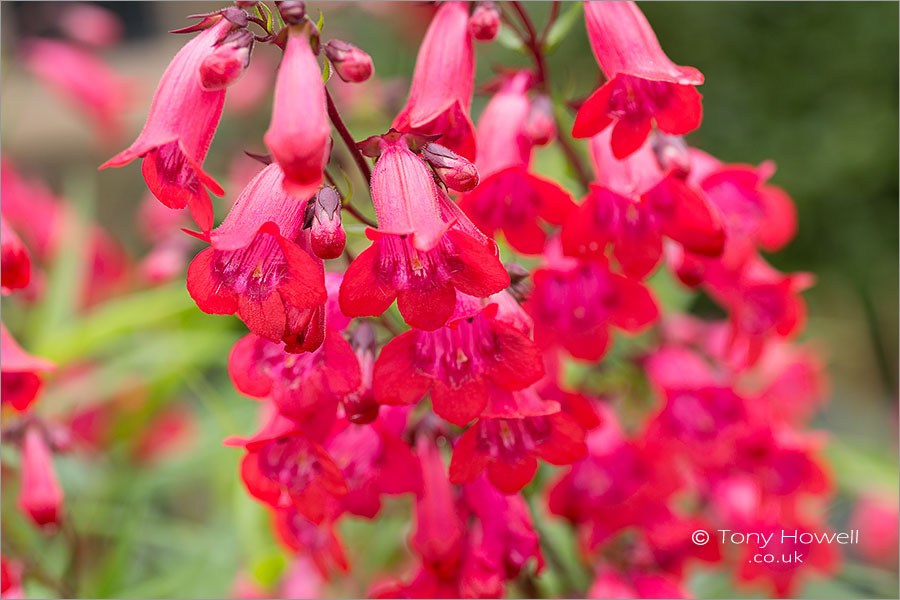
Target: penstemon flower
{"points": [[643, 86]]}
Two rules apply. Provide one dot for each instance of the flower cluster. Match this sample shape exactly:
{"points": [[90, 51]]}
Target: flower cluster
{"points": [[459, 396]]}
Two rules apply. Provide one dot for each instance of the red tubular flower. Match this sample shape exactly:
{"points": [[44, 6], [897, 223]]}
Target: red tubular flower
{"points": [[443, 82], [179, 129], [41, 496], [456, 362], [424, 250], [510, 198], [303, 386], [16, 263], [439, 532], [374, 461], [299, 134], [318, 540], [516, 430], [574, 303], [82, 79], [633, 206], [21, 382], [258, 266], [283, 468], [643, 86], [11, 577]]}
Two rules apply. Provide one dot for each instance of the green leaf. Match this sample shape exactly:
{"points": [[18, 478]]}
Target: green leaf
{"points": [[320, 24], [563, 25], [267, 17], [508, 39]]}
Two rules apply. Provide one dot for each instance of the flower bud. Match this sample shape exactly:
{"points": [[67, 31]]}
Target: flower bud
{"points": [[519, 285], [227, 62], [540, 126], [672, 154], [292, 12], [456, 172], [351, 64], [484, 24], [41, 496], [323, 216]]}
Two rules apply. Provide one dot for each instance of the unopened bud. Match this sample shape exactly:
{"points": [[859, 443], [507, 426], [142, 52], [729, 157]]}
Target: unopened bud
{"points": [[323, 217], [351, 64], [40, 496], [456, 172], [540, 126], [484, 24], [672, 153], [292, 13], [227, 62], [518, 281]]}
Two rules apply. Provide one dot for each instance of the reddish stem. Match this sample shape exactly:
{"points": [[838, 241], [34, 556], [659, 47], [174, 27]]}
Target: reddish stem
{"points": [[335, 117]]}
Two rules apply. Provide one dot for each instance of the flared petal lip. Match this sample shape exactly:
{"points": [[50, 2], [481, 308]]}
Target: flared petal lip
{"points": [[138, 150], [278, 426]]}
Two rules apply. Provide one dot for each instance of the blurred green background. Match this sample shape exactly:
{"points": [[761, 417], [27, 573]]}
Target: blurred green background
{"points": [[811, 85]]}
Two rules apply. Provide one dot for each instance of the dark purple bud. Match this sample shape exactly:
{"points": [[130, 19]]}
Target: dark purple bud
{"points": [[323, 215], [456, 172], [540, 127], [484, 24], [293, 12], [227, 62], [351, 64], [672, 153]]}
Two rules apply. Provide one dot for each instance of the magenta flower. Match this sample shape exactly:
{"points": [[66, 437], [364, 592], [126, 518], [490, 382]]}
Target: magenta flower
{"points": [[40, 496], [180, 128], [575, 302], [285, 469], [84, 80], [259, 266], [303, 387], [299, 133], [633, 205], [510, 198], [457, 362], [643, 86], [424, 250], [443, 82]]}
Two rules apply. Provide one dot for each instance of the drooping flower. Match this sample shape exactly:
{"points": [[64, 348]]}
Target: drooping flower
{"points": [[424, 250], [575, 302], [91, 24], [374, 460], [40, 497], [633, 205], [318, 540], [457, 362], [283, 468], [643, 86], [82, 79], [303, 386], [443, 82], [510, 198], [299, 133], [259, 267], [15, 260], [509, 437], [20, 372], [181, 125], [439, 533]]}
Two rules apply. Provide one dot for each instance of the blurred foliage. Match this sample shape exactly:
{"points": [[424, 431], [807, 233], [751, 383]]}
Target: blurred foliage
{"points": [[813, 86]]}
